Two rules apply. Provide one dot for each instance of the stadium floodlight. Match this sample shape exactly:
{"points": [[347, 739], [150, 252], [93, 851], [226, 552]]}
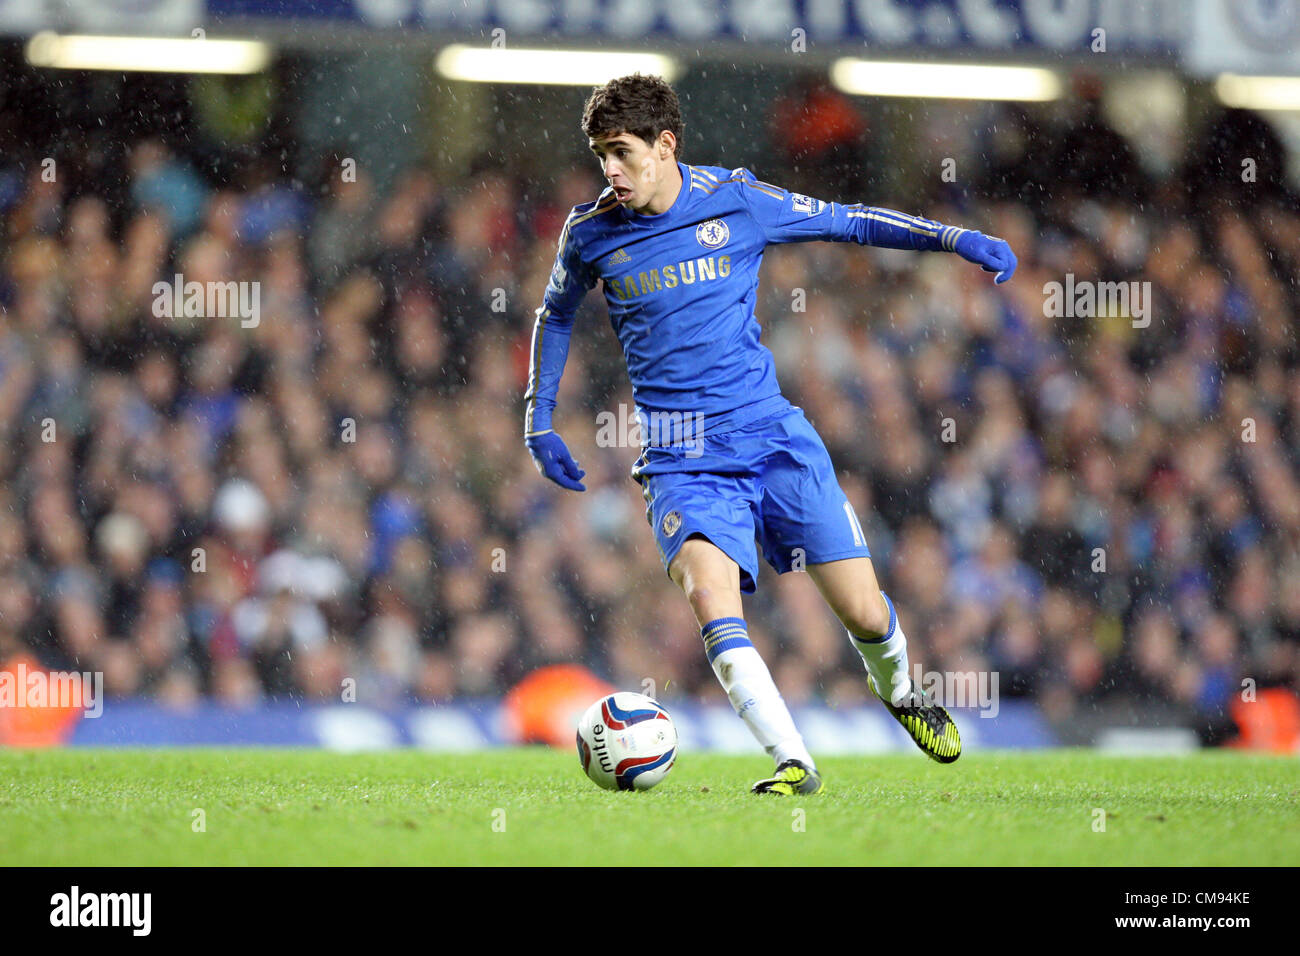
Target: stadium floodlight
{"points": [[1258, 92], [147, 54], [944, 80], [558, 67]]}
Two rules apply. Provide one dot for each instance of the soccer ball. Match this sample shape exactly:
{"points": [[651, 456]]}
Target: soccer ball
{"points": [[626, 742]]}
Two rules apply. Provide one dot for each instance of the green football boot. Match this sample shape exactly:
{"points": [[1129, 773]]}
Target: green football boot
{"points": [[790, 778], [927, 723]]}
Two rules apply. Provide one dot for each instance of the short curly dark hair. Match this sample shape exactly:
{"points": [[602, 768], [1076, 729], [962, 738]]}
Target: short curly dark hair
{"points": [[643, 106]]}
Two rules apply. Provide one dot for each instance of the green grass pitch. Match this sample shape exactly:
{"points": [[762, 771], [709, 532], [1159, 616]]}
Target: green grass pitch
{"points": [[533, 806]]}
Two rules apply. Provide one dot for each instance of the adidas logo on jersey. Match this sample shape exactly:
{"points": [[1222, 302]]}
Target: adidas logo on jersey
{"points": [[618, 257]]}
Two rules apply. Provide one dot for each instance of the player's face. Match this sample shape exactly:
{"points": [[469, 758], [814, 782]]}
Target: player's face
{"points": [[631, 165]]}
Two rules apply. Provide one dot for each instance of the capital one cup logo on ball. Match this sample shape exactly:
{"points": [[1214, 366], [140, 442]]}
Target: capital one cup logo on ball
{"points": [[626, 742]]}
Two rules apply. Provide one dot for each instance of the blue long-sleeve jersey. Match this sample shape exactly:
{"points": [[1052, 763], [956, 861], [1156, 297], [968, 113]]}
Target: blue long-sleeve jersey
{"points": [[681, 288]]}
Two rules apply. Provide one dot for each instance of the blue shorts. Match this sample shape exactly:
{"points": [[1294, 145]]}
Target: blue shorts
{"points": [[770, 481]]}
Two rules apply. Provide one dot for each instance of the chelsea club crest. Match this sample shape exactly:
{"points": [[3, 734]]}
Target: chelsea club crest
{"points": [[713, 233]]}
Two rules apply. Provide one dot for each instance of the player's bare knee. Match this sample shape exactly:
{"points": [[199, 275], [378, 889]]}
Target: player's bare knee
{"points": [[867, 616], [707, 599]]}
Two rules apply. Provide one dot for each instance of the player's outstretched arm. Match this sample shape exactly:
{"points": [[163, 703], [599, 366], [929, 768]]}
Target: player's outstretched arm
{"points": [[898, 230], [791, 217]]}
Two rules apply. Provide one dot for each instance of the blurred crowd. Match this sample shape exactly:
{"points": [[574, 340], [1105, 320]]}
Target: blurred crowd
{"points": [[208, 507]]}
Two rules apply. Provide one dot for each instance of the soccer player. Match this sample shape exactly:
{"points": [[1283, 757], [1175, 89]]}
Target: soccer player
{"points": [[726, 459]]}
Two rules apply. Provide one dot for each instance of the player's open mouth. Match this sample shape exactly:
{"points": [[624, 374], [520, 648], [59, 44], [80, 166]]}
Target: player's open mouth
{"points": [[621, 194]]}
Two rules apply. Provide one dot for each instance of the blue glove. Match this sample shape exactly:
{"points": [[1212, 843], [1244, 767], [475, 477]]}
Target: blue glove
{"points": [[553, 460], [989, 252]]}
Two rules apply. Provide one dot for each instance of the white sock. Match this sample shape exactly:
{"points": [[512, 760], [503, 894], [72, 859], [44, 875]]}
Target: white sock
{"points": [[886, 658], [751, 690]]}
